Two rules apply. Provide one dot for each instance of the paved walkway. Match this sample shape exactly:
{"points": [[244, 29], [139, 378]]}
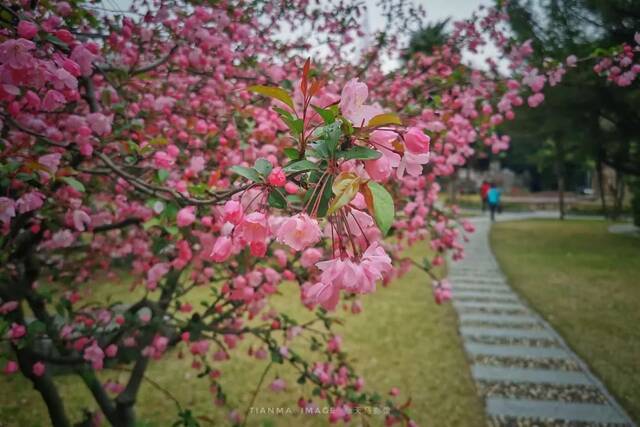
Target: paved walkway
{"points": [[523, 369]]}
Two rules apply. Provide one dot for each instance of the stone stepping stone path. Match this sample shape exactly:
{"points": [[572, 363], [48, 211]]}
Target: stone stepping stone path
{"points": [[523, 369]]}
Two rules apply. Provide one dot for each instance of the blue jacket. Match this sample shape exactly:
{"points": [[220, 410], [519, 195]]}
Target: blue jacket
{"points": [[493, 196]]}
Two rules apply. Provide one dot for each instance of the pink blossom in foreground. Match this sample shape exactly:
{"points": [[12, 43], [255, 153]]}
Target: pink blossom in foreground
{"points": [[277, 178], [352, 105], [299, 232], [416, 141], [254, 228]]}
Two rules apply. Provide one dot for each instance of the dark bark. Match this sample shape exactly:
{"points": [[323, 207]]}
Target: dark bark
{"points": [[45, 387], [560, 172], [601, 188], [125, 401]]}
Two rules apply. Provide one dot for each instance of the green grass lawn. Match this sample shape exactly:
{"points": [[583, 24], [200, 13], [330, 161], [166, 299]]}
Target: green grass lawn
{"points": [[401, 339], [586, 282]]}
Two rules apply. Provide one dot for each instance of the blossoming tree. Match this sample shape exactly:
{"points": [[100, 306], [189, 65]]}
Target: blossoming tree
{"points": [[188, 146]]}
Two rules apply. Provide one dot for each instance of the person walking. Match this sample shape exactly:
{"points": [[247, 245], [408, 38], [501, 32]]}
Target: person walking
{"points": [[484, 189], [493, 198]]}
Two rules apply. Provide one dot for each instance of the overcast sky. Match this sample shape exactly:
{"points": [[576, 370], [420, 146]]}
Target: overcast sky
{"points": [[438, 10]]}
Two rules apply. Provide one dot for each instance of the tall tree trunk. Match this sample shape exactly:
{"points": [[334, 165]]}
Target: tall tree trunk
{"points": [[601, 187], [559, 166], [618, 195]]}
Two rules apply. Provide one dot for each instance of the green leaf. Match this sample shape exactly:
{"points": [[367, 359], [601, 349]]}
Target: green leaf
{"points": [[291, 153], [276, 357], [328, 139], [56, 41], [384, 119], [277, 199], [345, 187], [383, 208], [172, 229], [327, 115], [36, 327], [163, 174], [273, 92], [263, 166], [300, 166], [283, 113], [74, 183], [249, 173], [151, 223], [296, 125], [361, 153]]}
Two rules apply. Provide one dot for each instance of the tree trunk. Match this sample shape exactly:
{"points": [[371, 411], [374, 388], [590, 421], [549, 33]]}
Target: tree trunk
{"points": [[45, 386], [618, 195], [601, 187], [559, 160]]}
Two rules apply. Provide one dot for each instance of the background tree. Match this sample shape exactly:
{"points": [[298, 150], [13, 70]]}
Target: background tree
{"points": [[602, 115]]}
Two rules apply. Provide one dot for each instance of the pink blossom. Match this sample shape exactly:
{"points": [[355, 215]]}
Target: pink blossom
{"points": [[99, 123], [416, 141], [95, 355], [278, 385], [60, 239], [232, 212], [16, 53], [81, 220], [84, 58], [186, 216], [334, 344], [53, 100], [111, 350], [11, 367], [299, 232], [157, 272], [352, 106], [196, 164], [51, 162], [221, 249], [63, 8], [378, 169], [442, 291], [291, 188], [8, 307], [163, 160], [7, 209], [325, 294], [412, 164], [30, 201], [17, 331], [310, 257], [277, 178], [27, 29], [535, 100], [254, 227], [571, 61], [38, 369]]}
